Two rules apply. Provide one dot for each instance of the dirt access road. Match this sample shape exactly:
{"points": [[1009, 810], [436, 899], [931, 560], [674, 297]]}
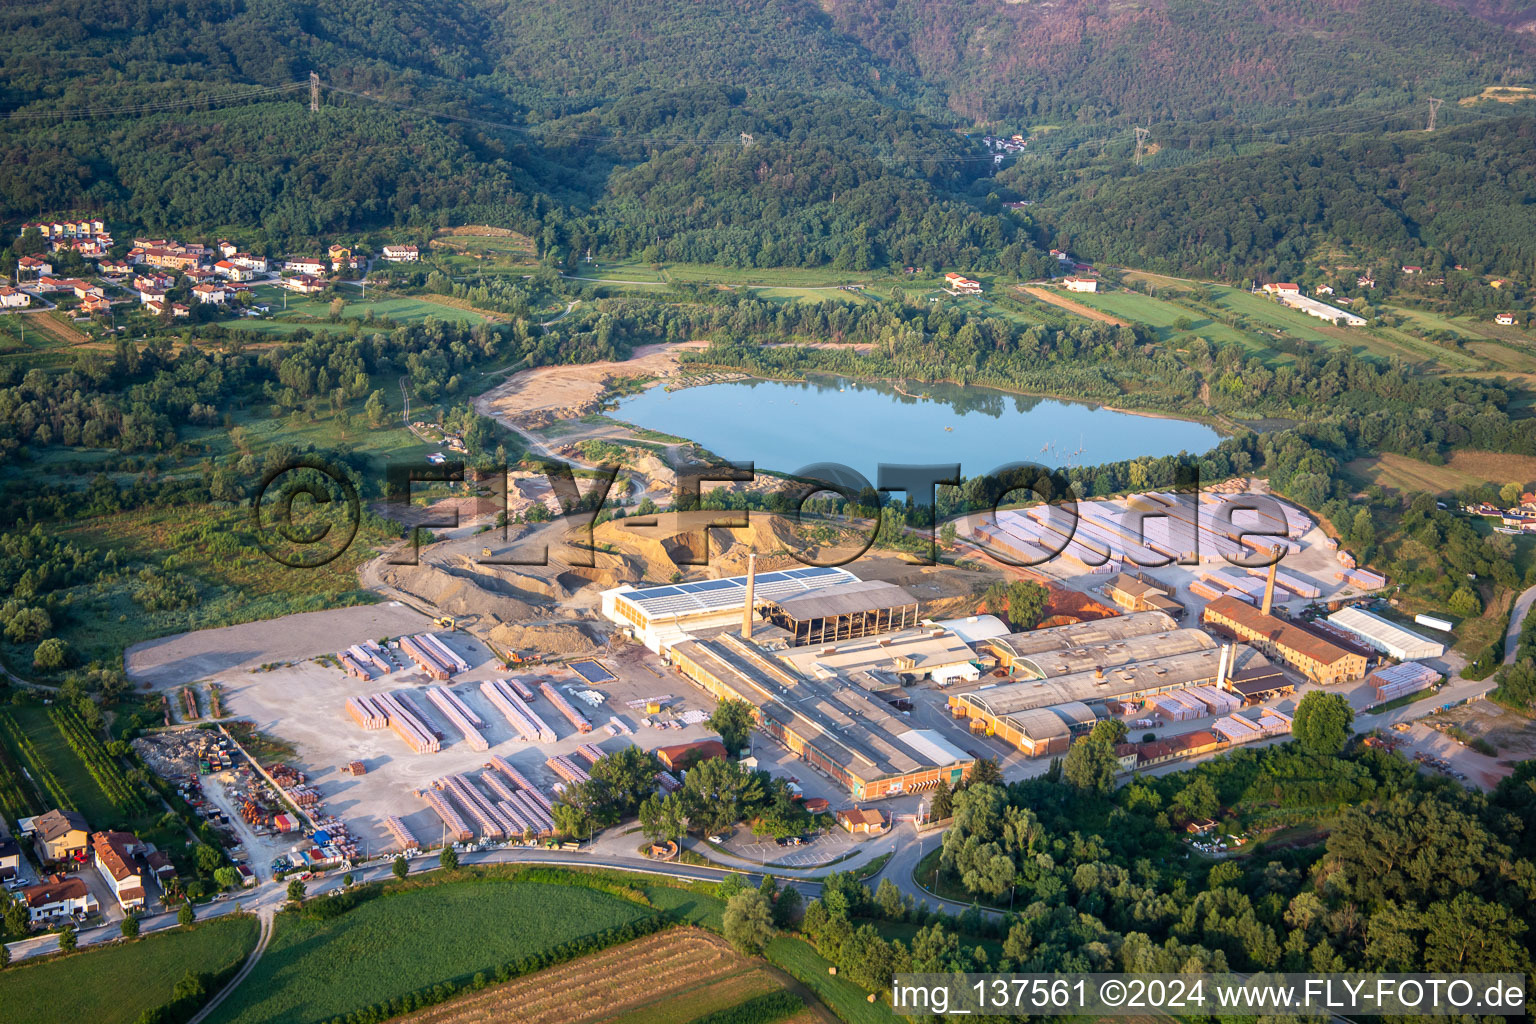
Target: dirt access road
{"points": [[1062, 302]]}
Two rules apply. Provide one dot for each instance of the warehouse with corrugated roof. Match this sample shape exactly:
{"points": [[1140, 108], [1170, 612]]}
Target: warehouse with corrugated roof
{"points": [[661, 616], [1386, 636], [835, 726], [1022, 713], [845, 612]]}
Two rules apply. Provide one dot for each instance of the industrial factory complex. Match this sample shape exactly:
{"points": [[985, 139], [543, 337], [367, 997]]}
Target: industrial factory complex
{"points": [[861, 689]]}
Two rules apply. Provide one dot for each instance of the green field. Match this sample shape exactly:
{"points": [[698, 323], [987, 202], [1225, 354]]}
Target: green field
{"points": [[115, 984], [408, 940], [800, 959], [314, 313], [50, 746]]}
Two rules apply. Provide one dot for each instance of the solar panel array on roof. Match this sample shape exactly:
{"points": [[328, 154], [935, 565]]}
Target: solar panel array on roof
{"points": [[703, 595]]}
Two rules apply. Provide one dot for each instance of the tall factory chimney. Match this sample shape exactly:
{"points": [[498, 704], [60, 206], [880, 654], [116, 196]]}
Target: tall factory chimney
{"points": [[746, 612], [1269, 583], [1221, 666]]}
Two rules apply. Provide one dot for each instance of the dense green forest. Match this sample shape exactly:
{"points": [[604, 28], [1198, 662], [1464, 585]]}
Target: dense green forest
{"points": [[791, 135], [1180, 59], [1460, 196]]}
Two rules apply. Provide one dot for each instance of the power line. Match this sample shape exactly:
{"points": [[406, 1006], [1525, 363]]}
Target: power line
{"points": [[84, 113]]}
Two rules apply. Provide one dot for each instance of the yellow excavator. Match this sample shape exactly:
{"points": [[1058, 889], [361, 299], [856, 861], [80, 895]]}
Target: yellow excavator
{"points": [[444, 621]]}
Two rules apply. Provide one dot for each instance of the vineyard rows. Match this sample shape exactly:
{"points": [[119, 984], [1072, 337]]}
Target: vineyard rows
{"points": [[103, 767], [34, 761]]}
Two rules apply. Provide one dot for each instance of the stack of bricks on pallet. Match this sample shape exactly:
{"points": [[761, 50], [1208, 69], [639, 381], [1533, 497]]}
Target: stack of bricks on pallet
{"points": [[1362, 578], [517, 713], [472, 800], [519, 687], [616, 727], [567, 769], [303, 796], [459, 713], [365, 660], [432, 655], [407, 724], [1295, 584], [1178, 708], [524, 796], [366, 713], [424, 659], [1399, 680], [575, 717], [668, 782], [457, 830], [514, 801], [401, 833], [591, 751], [516, 778]]}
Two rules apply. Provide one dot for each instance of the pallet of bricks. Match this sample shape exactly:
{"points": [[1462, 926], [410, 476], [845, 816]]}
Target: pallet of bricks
{"points": [[454, 827], [401, 834], [523, 793], [460, 715], [567, 769], [1400, 680], [511, 698], [575, 717]]}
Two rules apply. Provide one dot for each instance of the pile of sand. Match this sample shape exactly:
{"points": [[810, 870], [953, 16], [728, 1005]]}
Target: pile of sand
{"points": [[549, 639]]}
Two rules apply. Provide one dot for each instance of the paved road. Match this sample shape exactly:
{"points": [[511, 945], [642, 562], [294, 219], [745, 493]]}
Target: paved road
{"points": [[268, 898], [1517, 616]]}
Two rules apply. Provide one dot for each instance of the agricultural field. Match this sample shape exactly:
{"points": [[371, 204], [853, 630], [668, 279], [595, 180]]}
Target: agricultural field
{"points": [[314, 313], [23, 341], [676, 975], [1462, 469], [851, 1003], [413, 938], [35, 743], [117, 983]]}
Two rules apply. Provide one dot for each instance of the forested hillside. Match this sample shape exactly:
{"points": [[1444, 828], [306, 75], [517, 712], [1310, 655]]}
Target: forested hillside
{"points": [[1458, 196], [778, 133], [1181, 59]]}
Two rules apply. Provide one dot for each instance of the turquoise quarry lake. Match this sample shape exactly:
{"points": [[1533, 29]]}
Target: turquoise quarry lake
{"points": [[786, 426]]}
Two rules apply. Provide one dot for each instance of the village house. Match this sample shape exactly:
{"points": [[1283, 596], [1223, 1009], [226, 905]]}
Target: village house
{"points": [[227, 249], [1507, 319], [341, 256], [1282, 288], [305, 265], [233, 271], [180, 309], [34, 265], [172, 259], [211, 293], [58, 897], [304, 284], [1081, 284], [1410, 271], [96, 304], [957, 284], [156, 307], [116, 268], [1326, 289], [401, 253], [11, 298], [1365, 282], [84, 289], [114, 853], [249, 262], [48, 285], [57, 835]]}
